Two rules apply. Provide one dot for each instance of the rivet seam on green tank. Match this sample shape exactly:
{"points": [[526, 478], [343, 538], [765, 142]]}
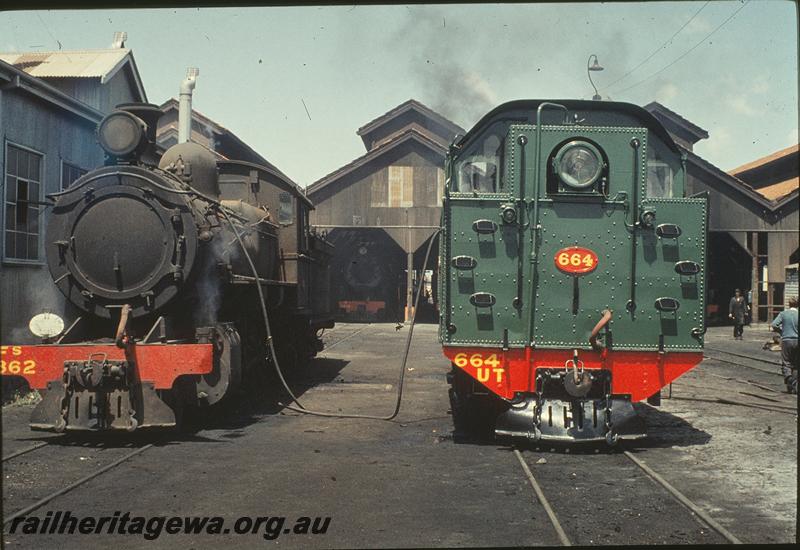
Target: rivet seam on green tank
{"points": [[567, 345]]}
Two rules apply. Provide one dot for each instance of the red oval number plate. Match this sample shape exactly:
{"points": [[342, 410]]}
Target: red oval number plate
{"points": [[575, 260]]}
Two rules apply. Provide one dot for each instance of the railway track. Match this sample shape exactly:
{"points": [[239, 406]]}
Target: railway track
{"points": [[719, 355], [25, 451], [609, 514], [7, 519], [329, 346]]}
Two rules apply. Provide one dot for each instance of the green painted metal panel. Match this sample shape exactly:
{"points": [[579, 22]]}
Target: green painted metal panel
{"points": [[557, 309], [609, 286], [495, 271], [657, 278]]}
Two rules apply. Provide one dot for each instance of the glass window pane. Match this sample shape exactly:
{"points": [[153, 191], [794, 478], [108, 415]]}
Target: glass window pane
{"points": [[11, 162], [22, 245], [22, 217], [478, 169], [33, 192], [659, 180], [10, 250], [285, 214], [11, 216], [33, 247], [34, 162], [33, 221], [22, 163], [11, 189], [22, 205]]}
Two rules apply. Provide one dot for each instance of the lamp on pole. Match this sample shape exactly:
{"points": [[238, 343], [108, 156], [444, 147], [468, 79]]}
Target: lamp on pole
{"points": [[589, 68]]}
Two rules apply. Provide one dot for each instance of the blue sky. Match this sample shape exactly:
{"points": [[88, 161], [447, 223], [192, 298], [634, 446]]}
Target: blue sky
{"points": [[351, 64]]}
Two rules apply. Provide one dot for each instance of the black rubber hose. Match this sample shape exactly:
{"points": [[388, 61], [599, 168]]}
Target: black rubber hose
{"points": [[272, 355]]}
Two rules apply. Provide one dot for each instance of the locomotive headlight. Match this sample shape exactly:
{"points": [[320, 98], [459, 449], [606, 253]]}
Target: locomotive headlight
{"points": [[120, 134], [578, 164]]}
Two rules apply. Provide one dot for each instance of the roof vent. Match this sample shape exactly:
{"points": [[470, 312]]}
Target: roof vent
{"points": [[119, 39]]}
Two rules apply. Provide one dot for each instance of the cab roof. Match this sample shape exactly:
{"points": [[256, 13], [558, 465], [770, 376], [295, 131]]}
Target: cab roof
{"points": [[523, 111]]}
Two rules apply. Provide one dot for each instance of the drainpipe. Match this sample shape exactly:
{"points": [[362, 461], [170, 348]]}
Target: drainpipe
{"points": [[185, 105]]}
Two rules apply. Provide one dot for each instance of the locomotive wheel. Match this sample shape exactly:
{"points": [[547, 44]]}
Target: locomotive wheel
{"points": [[474, 414]]}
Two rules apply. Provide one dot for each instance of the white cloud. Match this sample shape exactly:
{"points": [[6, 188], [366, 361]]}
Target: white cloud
{"points": [[741, 105], [719, 142], [666, 93]]}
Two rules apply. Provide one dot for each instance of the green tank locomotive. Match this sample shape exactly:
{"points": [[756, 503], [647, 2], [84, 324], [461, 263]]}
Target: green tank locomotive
{"points": [[572, 269]]}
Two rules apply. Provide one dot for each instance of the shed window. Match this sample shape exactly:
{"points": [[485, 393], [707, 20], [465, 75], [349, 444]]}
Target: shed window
{"points": [[286, 210], [70, 173], [435, 177], [401, 186], [22, 204]]}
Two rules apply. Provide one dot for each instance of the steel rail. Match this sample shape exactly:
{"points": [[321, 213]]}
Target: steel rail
{"points": [[41, 502], [684, 500], [759, 359], [766, 407], [562, 536], [25, 451], [721, 360], [339, 341], [750, 382]]}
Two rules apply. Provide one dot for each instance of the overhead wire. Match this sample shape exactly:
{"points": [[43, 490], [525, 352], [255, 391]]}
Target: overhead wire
{"points": [[701, 42], [661, 47]]}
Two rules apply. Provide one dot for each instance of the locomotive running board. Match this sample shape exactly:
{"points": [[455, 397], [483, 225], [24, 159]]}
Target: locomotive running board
{"points": [[576, 420]]}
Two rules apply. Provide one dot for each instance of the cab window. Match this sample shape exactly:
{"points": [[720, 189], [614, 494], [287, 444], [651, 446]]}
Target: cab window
{"points": [[479, 167], [661, 167]]}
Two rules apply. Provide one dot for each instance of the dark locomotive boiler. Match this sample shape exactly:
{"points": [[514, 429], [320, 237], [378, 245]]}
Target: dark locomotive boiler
{"points": [[161, 257]]}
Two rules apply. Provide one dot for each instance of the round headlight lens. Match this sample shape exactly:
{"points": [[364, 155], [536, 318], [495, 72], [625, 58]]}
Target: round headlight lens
{"points": [[120, 133], [579, 164]]}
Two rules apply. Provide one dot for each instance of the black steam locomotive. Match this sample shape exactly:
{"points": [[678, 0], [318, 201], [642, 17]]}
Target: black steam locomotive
{"points": [[164, 258]]}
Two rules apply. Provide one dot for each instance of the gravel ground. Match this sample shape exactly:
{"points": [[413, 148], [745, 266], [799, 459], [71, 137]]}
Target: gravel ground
{"points": [[407, 484]]}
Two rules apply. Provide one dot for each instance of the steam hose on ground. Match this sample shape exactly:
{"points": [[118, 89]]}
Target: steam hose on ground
{"points": [[273, 356]]}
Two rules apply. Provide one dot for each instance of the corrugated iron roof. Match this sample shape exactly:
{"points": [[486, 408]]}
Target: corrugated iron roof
{"points": [[738, 185], [776, 191], [18, 79], [765, 160], [69, 64]]}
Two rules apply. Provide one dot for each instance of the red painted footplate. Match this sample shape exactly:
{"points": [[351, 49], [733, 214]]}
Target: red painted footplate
{"points": [[639, 374], [160, 364]]}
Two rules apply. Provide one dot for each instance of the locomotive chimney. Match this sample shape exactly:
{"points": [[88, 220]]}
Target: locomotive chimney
{"points": [[185, 105]]}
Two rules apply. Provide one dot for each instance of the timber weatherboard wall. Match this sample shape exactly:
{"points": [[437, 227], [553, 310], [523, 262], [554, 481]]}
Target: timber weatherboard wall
{"points": [[118, 89], [338, 204], [34, 123]]}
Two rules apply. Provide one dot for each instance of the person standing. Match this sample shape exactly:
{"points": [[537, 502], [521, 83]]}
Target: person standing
{"points": [[786, 323], [737, 310]]}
